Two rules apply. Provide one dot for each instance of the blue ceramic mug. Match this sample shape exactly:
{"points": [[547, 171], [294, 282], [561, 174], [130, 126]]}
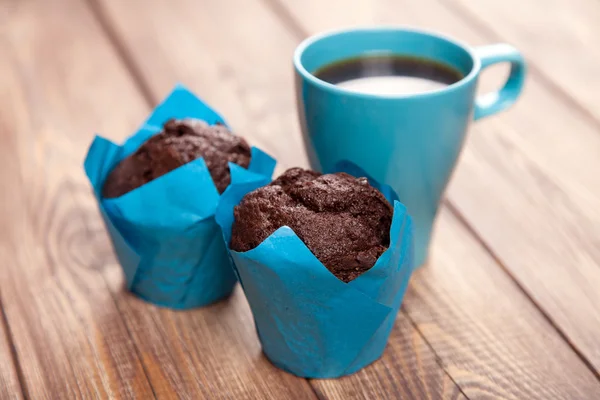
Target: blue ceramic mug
{"points": [[410, 142]]}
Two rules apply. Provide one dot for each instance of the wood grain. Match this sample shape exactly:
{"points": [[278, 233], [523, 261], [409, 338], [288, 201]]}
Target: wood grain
{"points": [[68, 335], [491, 339], [274, 58], [410, 370], [560, 38], [523, 184], [77, 333], [10, 387], [208, 353]]}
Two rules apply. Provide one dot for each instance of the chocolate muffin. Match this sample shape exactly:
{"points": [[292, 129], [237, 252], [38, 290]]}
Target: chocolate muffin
{"points": [[343, 220], [180, 142]]}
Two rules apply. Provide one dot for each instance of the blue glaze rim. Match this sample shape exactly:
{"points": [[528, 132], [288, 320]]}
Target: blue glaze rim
{"points": [[306, 43]]}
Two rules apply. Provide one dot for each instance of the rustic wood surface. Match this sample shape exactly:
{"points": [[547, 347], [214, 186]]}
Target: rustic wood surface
{"points": [[508, 306]]}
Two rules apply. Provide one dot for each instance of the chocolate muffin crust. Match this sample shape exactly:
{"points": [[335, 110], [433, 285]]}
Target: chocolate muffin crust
{"points": [[180, 142], [343, 220]]}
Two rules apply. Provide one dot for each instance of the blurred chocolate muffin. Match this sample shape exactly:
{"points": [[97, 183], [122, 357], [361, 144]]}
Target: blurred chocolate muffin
{"points": [[180, 142], [343, 220]]}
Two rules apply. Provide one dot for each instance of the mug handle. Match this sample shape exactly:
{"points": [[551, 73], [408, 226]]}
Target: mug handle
{"points": [[494, 102]]}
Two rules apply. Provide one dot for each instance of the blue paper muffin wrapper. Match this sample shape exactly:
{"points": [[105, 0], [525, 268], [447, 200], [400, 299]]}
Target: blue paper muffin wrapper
{"points": [[164, 233], [308, 321]]}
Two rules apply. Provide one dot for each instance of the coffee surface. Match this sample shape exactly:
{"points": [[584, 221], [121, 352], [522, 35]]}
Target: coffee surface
{"points": [[180, 142], [389, 75], [343, 220]]}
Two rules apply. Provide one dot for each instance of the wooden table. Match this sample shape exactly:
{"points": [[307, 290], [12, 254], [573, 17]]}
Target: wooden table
{"points": [[509, 305]]}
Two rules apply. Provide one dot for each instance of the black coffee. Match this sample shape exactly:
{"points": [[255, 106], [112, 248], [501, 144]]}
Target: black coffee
{"points": [[389, 74]]}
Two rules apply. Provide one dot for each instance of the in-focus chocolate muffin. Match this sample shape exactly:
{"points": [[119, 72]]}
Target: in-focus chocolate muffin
{"points": [[343, 220], [180, 142]]}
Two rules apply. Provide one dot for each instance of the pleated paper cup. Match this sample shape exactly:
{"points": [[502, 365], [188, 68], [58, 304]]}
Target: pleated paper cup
{"points": [[309, 322], [164, 233]]}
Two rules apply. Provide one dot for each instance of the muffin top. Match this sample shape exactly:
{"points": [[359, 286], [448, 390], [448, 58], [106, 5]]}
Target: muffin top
{"points": [[180, 142], [343, 220]]}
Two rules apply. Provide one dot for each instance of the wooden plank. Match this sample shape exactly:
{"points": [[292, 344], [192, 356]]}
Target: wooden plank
{"points": [[68, 335], [10, 387], [258, 103], [207, 353], [524, 182], [408, 369], [560, 38], [492, 340], [255, 56], [72, 342]]}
